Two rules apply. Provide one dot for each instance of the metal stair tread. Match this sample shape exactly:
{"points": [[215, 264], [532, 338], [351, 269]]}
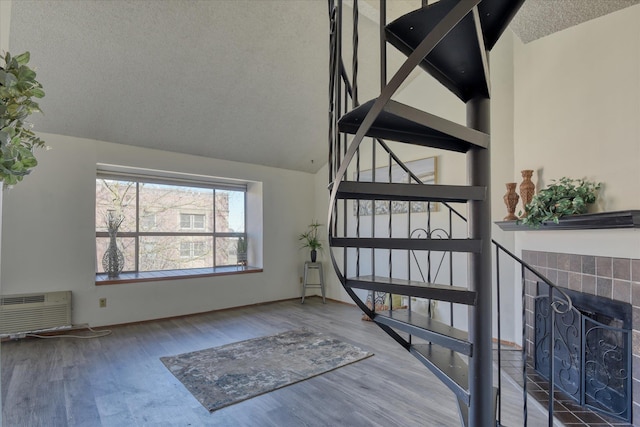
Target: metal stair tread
{"points": [[413, 288], [447, 365], [444, 245], [355, 190], [402, 123], [426, 328], [457, 60]]}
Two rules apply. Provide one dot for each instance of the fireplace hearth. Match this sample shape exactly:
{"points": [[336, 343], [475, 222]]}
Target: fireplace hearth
{"points": [[592, 349]]}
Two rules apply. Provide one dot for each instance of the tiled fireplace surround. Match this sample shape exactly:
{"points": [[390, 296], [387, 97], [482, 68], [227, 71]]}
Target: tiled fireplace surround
{"points": [[614, 278]]}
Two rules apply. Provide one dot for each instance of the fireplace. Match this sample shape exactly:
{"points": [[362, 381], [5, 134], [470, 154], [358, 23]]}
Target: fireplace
{"points": [[592, 349]]}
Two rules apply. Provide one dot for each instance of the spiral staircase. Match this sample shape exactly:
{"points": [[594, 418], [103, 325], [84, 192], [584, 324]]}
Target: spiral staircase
{"points": [[449, 40]]}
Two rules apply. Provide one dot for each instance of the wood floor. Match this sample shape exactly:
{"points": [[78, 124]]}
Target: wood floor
{"points": [[119, 380]]}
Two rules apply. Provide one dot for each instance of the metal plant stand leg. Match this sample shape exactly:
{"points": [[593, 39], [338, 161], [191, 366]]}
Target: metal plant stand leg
{"points": [[305, 283]]}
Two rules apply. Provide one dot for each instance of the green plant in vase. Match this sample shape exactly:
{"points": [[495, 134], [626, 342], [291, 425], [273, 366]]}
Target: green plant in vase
{"points": [[18, 85], [241, 251], [565, 196], [310, 240]]}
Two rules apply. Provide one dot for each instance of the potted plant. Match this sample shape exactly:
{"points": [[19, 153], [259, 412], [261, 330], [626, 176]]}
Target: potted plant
{"points": [[18, 85], [310, 240], [241, 251], [565, 196]]}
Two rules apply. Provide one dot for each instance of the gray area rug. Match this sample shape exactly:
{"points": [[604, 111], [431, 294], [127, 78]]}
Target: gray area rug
{"points": [[222, 376]]}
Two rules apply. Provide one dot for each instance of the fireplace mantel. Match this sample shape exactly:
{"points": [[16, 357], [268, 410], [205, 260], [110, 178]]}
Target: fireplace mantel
{"points": [[594, 221]]}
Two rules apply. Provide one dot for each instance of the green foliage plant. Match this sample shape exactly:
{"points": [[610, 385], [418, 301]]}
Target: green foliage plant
{"points": [[241, 247], [565, 196], [241, 250], [309, 238], [18, 85]]}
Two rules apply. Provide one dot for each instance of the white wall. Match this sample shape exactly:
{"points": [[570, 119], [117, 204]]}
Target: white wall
{"points": [[578, 104], [577, 110], [577, 98], [48, 224]]}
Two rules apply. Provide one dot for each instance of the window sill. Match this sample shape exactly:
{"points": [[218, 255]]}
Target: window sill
{"points": [[155, 276]]}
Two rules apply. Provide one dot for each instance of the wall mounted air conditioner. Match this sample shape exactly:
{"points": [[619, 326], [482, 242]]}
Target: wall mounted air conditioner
{"points": [[34, 312]]}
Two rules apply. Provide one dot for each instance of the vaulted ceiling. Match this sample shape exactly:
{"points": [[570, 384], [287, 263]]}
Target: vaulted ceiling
{"points": [[242, 80]]}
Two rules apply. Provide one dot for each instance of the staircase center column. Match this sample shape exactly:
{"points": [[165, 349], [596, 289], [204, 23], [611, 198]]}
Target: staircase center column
{"points": [[481, 412]]}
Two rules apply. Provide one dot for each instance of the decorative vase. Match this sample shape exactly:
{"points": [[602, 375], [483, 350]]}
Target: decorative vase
{"points": [[113, 259], [314, 255], [511, 200], [527, 190]]}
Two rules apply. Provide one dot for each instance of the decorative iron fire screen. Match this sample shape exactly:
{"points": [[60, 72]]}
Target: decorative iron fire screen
{"points": [[591, 349]]}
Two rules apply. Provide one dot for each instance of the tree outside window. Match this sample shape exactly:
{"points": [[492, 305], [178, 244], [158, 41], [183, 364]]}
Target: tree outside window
{"points": [[169, 227]]}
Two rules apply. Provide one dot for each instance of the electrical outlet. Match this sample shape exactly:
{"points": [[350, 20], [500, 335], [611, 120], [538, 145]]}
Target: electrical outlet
{"points": [[103, 302]]}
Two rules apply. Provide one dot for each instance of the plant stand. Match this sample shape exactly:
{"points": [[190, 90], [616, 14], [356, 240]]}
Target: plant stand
{"points": [[308, 265]]}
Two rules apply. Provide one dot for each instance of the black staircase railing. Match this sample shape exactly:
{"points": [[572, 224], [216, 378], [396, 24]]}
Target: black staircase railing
{"points": [[372, 254], [559, 302]]}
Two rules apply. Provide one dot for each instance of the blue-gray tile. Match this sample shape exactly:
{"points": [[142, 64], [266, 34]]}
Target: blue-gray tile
{"points": [[635, 270], [622, 290], [552, 260], [564, 262], [622, 268], [575, 263], [575, 282], [589, 284], [563, 279], [604, 267], [604, 287], [588, 264]]}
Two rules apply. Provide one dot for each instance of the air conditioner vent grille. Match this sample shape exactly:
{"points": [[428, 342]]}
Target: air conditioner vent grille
{"points": [[34, 312], [21, 299]]}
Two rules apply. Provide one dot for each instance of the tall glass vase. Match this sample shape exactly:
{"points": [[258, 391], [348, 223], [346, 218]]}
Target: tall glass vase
{"points": [[113, 259]]}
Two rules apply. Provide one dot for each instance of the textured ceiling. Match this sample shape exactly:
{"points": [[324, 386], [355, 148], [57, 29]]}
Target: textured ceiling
{"points": [[238, 80], [539, 18], [242, 80]]}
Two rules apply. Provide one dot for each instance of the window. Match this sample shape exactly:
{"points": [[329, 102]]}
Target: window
{"points": [[193, 249], [147, 221], [193, 221], [170, 225]]}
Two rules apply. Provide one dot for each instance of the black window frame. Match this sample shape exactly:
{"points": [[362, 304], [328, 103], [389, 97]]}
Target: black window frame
{"points": [[138, 233]]}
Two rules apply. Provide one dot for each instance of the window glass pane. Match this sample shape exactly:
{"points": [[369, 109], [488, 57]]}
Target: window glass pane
{"points": [[226, 251], [198, 221], [229, 211], [119, 196], [185, 249], [172, 253], [126, 244], [148, 222], [177, 208], [185, 221]]}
